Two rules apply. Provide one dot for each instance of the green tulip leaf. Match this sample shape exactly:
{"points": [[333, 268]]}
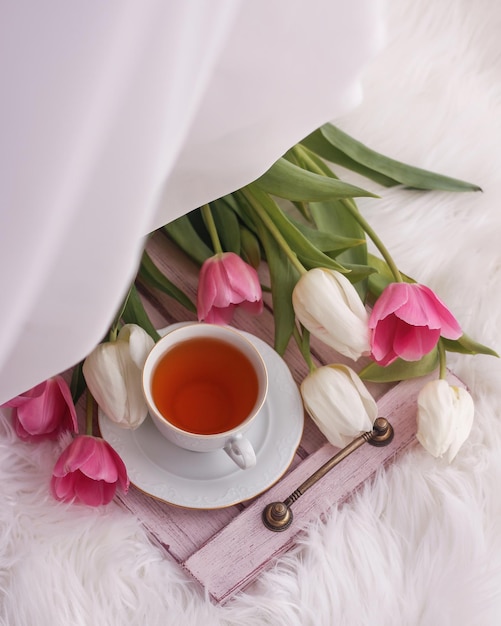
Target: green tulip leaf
{"points": [[332, 217], [283, 278], [277, 222], [407, 175], [77, 384], [135, 313], [237, 202], [381, 277], [400, 369], [466, 345], [150, 273], [317, 143], [251, 250], [184, 234], [327, 242], [227, 226], [286, 180], [358, 272]]}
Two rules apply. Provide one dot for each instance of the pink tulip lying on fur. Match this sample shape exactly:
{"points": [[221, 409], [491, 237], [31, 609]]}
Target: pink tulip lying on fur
{"points": [[226, 281], [88, 471], [407, 322], [44, 412]]}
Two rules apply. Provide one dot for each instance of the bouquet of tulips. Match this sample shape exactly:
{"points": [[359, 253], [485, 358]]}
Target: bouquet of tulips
{"points": [[302, 222]]}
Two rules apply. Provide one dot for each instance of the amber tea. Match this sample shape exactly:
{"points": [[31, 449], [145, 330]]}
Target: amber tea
{"points": [[204, 385]]}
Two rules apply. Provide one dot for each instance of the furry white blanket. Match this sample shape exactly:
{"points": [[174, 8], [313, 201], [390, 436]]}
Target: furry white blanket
{"points": [[420, 546]]}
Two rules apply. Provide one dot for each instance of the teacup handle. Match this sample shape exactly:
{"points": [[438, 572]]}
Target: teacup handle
{"points": [[240, 450]]}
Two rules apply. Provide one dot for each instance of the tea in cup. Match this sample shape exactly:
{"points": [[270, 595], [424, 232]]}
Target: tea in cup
{"points": [[204, 385]]}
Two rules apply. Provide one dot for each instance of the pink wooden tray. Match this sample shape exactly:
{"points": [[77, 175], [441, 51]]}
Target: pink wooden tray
{"points": [[226, 549]]}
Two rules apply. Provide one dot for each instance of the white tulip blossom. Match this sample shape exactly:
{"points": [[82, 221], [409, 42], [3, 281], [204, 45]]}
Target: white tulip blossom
{"points": [[339, 403], [445, 418], [327, 304], [113, 373]]}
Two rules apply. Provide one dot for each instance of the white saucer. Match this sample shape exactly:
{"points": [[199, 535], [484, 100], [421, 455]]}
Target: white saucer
{"points": [[210, 480]]}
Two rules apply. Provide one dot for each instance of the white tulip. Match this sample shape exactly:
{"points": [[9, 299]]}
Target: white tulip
{"points": [[339, 403], [445, 418], [327, 304], [113, 373]]}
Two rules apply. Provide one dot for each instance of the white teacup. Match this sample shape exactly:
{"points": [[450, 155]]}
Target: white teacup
{"points": [[204, 385]]}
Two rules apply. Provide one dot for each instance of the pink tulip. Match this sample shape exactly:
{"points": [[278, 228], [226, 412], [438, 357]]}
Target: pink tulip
{"points": [[88, 471], [225, 282], [407, 322], [45, 411]]}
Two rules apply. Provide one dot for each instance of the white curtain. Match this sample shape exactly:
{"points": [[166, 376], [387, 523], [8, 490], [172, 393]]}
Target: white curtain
{"points": [[117, 117]]}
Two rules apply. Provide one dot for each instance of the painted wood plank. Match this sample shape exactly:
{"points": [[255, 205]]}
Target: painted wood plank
{"points": [[179, 531]]}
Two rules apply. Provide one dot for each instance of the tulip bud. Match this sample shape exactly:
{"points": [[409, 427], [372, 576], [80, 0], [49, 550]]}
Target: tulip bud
{"points": [[407, 321], [339, 403], [45, 411], [226, 281], [88, 471], [113, 373], [445, 418], [327, 304]]}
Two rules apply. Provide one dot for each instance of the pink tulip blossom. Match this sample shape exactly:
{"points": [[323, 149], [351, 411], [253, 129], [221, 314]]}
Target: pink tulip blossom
{"points": [[227, 282], [44, 412], [407, 322], [89, 472]]}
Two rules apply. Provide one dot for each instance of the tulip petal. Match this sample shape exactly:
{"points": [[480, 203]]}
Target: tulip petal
{"points": [[71, 414], [207, 290], [382, 341], [140, 343], [73, 456], [226, 281], [93, 492], [100, 465], [115, 382], [221, 316], [407, 321], [419, 309], [63, 487], [394, 296], [412, 342], [435, 420], [450, 328], [253, 308], [46, 415], [338, 403], [27, 396], [242, 277], [465, 411], [327, 305], [445, 418], [222, 291], [88, 471]]}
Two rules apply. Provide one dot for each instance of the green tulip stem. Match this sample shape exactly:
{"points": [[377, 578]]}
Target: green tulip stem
{"points": [[442, 360], [351, 207], [274, 230], [116, 322], [303, 342], [89, 414], [211, 227]]}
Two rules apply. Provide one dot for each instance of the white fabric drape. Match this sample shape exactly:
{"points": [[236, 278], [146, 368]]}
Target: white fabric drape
{"points": [[118, 117]]}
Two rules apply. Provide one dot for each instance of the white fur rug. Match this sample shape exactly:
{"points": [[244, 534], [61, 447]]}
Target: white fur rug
{"points": [[420, 546]]}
